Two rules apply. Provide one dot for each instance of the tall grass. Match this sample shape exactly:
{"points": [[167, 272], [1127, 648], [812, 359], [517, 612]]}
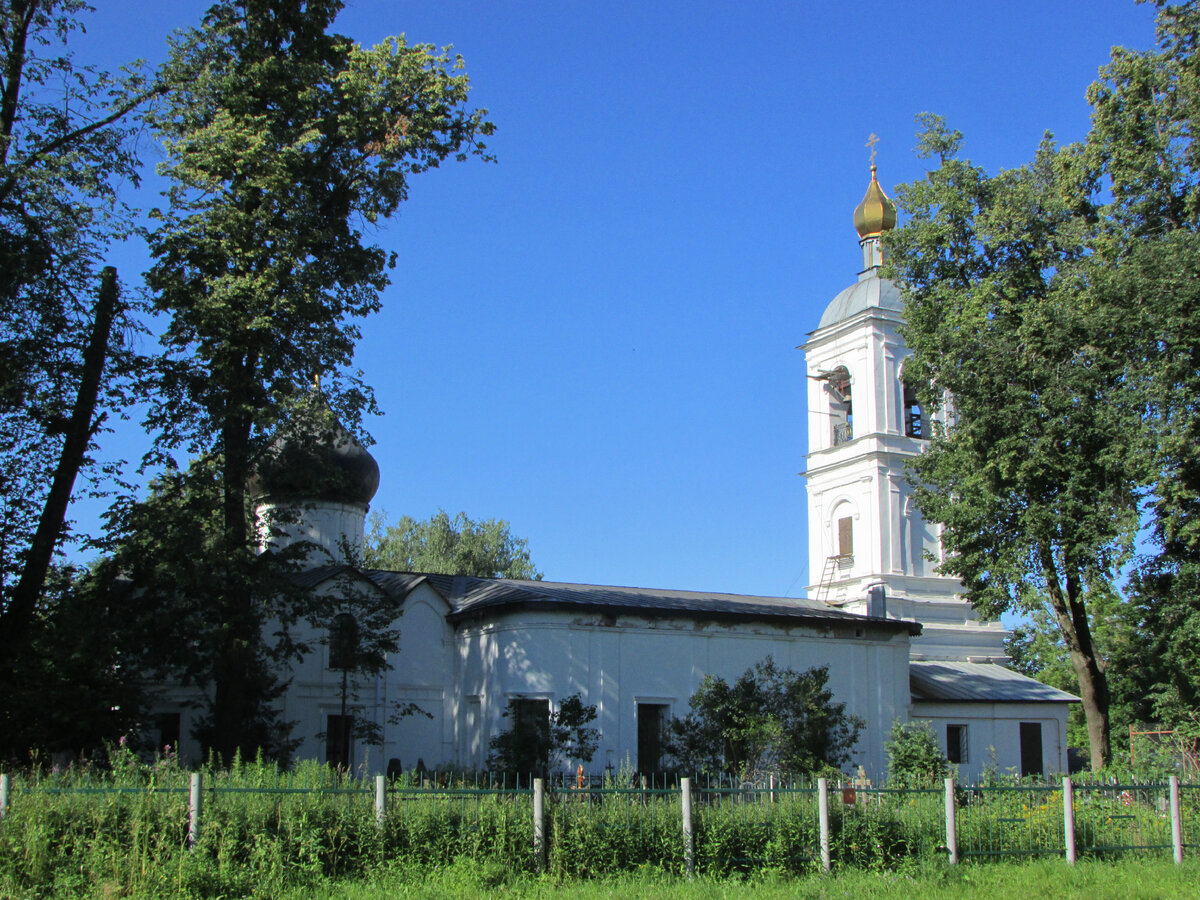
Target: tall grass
{"points": [[262, 831], [124, 831]]}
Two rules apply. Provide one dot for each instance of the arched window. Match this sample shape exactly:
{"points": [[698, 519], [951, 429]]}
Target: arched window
{"points": [[343, 642], [914, 416], [841, 408]]}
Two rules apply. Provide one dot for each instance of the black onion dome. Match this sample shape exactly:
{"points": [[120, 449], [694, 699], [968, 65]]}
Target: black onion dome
{"points": [[314, 458]]}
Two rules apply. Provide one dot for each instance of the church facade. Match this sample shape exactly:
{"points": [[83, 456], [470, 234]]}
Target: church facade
{"points": [[896, 637]]}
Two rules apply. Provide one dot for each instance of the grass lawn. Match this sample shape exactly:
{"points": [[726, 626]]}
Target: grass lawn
{"points": [[1124, 880]]}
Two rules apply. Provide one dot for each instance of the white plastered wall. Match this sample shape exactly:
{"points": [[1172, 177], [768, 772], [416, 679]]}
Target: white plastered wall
{"points": [[615, 662], [893, 545], [994, 733]]}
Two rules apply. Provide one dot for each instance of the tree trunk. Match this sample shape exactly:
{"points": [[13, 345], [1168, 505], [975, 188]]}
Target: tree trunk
{"points": [[236, 674], [1071, 612], [22, 13], [80, 430]]}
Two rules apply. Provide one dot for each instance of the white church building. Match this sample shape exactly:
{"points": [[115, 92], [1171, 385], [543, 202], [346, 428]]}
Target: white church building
{"points": [[899, 641]]}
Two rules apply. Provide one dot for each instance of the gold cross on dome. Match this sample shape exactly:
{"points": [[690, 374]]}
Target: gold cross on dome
{"points": [[871, 142]]}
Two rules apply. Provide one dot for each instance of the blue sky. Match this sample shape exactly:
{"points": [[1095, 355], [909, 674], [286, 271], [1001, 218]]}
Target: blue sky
{"points": [[595, 338]]}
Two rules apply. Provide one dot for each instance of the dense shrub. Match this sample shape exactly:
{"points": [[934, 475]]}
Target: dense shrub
{"points": [[914, 758]]}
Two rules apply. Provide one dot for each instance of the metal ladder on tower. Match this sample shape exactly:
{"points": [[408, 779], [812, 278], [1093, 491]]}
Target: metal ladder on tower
{"points": [[831, 566]]}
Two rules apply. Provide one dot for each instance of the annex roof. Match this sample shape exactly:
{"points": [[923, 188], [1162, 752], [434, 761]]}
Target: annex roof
{"points": [[475, 595], [938, 680], [468, 596]]}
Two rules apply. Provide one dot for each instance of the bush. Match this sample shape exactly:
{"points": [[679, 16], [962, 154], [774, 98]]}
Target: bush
{"points": [[914, 758], [769, 719]]}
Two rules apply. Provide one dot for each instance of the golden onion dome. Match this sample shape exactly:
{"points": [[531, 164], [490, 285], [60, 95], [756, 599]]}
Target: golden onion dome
{"points": [[876, 214]]}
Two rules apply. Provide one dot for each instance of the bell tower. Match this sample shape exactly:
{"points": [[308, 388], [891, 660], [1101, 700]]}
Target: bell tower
{"points": [[870, 550]]}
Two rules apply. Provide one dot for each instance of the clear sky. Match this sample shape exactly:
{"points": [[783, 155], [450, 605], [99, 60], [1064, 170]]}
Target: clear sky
{"points": [[595, 338]]}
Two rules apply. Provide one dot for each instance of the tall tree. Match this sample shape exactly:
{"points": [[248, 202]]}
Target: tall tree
{"points": [[441, 545], [1036, 480], [65, 146], [1078, 314], [1146, 111], [282, 139]]}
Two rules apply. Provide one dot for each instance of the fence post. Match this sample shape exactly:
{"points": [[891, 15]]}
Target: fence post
{"points": [[1176, 822], [539, 823], [380, 800], [951, 823], [1069, 818], [823, 818], [689, 844], [194, 802], [3, 796]]}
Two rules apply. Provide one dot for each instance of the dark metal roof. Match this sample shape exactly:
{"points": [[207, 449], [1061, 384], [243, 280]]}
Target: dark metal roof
{"points": [[939, 680], [391, 583], [310, 578], [394, 582], [468, 596]]}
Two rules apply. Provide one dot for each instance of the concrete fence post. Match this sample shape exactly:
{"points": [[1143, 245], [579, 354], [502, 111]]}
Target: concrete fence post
{"points": [[4, 788], [195, 799], [951, 823], [1176, 822], [539, 824], [823, 819], [689, 843], [1069, 818], [380, 800]]}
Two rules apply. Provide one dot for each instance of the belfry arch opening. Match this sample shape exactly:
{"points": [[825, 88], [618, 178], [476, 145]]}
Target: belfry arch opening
{"points": [[915, 425], [841, 405]]}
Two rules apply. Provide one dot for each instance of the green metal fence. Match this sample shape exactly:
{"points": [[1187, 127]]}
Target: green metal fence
{"points": [[594, 826]]}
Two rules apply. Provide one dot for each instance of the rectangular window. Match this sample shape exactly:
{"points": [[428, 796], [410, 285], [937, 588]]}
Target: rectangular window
{"points": [[339, 740], [956, 743], [1031, 748], [651, 725], [846, 536]]}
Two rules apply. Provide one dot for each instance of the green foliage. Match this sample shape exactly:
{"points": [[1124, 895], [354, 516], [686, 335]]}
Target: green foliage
{"points": [[281, 139], [174, 625], [1163, 662], [1032, 471], [622, 833], [445, 546], [66, 146], [69, 686], [263, 831], [1056, 304], [539, 737], [914, 757], [769, 719]]}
